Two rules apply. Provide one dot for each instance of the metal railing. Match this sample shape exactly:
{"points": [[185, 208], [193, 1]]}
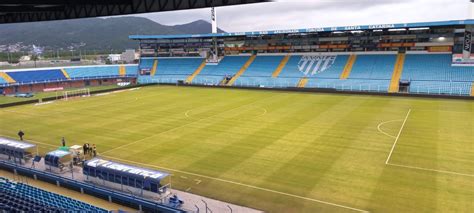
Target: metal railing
{"points": [[291, 83], [66, 80]]}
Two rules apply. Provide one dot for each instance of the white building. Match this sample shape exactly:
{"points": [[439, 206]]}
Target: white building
{"points": [[113, 57], [128, 56]]}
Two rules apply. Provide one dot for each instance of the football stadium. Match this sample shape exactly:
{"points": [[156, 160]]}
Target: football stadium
{"points": [[367, 118]]}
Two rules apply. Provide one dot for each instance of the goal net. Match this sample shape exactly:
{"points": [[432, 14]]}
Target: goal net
{"points": [[76, 93]]}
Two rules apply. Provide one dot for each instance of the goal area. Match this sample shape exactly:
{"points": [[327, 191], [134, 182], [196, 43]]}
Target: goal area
{"points": [[76, 93]]}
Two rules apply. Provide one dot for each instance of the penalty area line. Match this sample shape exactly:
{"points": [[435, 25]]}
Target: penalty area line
{"points": [[430, 170], [242, 184], [398, 136], [379, 127]]}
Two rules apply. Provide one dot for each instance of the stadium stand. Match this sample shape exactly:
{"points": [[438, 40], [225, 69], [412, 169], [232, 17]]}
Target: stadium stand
{"points": [[146, 63], [433, 74], [261, 70], [37, 76], [131, 70], [6, 78], [93, 72], [2, 80], [348, 67], [434, 67], [302, 83], [472, 89], [280, 67], [154, 67], [170, 70], [19, 197], [122, 71], [377, 67], [298, 67], [262, 66], [397, 73], [214, 74], [178, 66], [196, 72], [242, 70], [65, 73]]}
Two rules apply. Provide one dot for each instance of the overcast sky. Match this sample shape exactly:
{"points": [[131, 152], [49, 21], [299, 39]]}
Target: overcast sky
{"points": [[295, 14]]}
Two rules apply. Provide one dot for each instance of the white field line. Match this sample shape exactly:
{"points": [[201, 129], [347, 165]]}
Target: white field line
{"points": [[398, 136], [386, 122], [264, 112], [242, 184], [43, 103], [186, 113], [431, 170], [178, 127]]}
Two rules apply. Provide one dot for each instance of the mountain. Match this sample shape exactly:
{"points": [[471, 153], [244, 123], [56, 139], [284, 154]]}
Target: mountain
{"points": [[93, 33]]}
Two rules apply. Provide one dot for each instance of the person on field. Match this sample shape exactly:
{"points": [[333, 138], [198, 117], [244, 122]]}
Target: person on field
{"points": [[63, 141], [21, 134], [89, 149], [84, 149], [94, 150]]}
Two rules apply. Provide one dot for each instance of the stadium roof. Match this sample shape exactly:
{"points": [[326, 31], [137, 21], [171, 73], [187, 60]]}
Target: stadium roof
{"points": [[308, 30], [14, 11]]}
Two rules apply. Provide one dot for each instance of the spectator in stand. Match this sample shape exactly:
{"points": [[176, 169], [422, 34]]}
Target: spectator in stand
{"points": [[21, 134]]}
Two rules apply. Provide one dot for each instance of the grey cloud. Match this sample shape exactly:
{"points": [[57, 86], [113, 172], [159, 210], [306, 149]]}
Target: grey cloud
{"points": [[290, 14]]}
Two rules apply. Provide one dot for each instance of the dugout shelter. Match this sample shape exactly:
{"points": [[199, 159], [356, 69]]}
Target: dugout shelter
{"points": [[58, 160], [16, 150], [125, 175]]}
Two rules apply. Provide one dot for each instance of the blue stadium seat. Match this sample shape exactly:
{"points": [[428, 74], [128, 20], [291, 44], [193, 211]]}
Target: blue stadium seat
{"points": [[213, 74], [19, 197], [263, 66], [434, 67], [146, 63], [379, 67], [37, 76], [169, 70], [178, 66], [3, 81], [428, 73], [93, 72], [131, 70]]}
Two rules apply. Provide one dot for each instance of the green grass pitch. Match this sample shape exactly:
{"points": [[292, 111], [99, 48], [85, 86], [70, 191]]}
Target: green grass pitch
{"points": [[277, 151]]}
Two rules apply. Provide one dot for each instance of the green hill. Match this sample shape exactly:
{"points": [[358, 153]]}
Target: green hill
{"points": [[94, 33]]}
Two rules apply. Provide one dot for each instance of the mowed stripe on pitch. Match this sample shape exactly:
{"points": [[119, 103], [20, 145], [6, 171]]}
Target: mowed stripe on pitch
{"points": [[258, 153]]}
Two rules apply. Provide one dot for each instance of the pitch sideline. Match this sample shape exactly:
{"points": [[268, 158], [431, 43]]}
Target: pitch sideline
{"points": [[241, 184]]}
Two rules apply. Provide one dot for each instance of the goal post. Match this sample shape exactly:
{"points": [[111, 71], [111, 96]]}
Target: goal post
{"points": [[76, 93]]}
